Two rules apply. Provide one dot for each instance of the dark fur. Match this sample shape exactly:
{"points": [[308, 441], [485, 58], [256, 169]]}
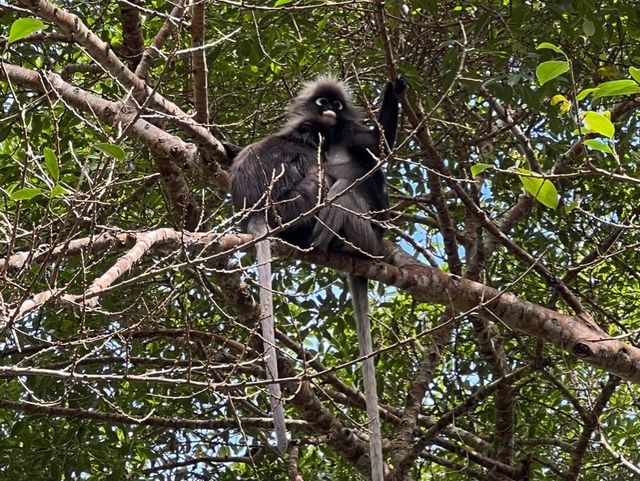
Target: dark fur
{"points": [[294, 152], [291, 158], [353, 221], [276, 181]]}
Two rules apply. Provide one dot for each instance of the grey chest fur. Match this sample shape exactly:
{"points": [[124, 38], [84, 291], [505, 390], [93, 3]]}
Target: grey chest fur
{"points": [[340, 165]]}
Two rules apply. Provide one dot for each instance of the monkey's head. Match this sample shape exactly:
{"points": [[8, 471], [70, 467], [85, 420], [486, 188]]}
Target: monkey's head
{"points": [[325, 101]]}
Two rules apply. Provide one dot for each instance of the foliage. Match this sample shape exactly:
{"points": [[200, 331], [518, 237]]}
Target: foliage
{"points": [[153, 372]]}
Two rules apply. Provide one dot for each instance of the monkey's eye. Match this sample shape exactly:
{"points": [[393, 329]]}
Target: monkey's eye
{"points": [[337, 105], [322, 102]]}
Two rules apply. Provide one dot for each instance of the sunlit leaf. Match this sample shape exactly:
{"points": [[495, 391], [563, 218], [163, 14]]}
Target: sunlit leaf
{"points": [[616, 87], [595, 144], [114, 151], [23, 27], [588, 27], [608, 71], [635, 73], [282, 2], [549, 70], [562, 102], [550, 46], [51, 163], [323, 22], [57, 191], [25, 193], [542, 189], [586, 92], [477, 169], [599, 123], [571, 206]]}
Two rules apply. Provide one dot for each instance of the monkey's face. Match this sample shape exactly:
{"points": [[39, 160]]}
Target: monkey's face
{"points": [[327, 107]]}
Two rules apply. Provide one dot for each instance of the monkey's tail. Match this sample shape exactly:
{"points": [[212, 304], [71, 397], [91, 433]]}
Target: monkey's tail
{"points": [[263, 256], [359, 287]]}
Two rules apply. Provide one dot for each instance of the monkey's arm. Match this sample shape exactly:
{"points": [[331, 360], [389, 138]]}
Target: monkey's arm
{"points": [[269, 174], [361, 137], [299, 198], [388, 116]]}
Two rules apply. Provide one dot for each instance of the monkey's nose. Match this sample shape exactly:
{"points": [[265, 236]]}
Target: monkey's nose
{"points": [[330, 114]]}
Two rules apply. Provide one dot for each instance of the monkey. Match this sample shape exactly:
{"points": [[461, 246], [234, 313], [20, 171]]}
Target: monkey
{"points": [[277, 183], [353, 222]]}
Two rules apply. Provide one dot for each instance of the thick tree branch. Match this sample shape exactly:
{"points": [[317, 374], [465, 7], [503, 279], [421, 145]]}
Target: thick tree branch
{"points": [[103, 54], [571, 333], [199, 62], [168, 150], [132, 35], [168, 27]]}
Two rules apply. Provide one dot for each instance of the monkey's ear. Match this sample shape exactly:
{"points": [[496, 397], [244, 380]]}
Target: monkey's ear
{"points": [[231, 150], [400, 86]]}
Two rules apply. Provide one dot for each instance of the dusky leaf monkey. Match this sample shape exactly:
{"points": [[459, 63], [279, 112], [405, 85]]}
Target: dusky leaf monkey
{"points": [[277, 183]]}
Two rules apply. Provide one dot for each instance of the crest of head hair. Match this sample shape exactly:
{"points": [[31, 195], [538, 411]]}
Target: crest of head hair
{"points": [[324, 85]]}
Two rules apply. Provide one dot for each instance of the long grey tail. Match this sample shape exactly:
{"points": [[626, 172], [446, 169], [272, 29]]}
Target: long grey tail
{"points": [[263, 256], [359, 287]]}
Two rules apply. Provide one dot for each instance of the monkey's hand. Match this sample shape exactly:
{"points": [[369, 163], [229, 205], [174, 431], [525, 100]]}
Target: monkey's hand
{"points": [[400, 86]]}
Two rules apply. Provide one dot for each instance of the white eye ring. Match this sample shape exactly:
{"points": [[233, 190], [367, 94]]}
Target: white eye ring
{"points": [[322, 102], [337, 105]]}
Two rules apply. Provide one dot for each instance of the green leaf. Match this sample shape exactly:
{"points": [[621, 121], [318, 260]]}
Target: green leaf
{"points": [[635, 73], [479, 168], [588, 27], [322, 23], [282, 2], [114, 151], [549, 70], [25, 193], [23, 27], [57, 191], [595, 144], [51, 163], [599, 124], [616, 87], [542, 189], [550, 46], [583, 95]]}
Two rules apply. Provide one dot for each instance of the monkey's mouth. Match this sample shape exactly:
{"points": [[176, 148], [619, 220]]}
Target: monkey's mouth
{"points": [[329, 116]]}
